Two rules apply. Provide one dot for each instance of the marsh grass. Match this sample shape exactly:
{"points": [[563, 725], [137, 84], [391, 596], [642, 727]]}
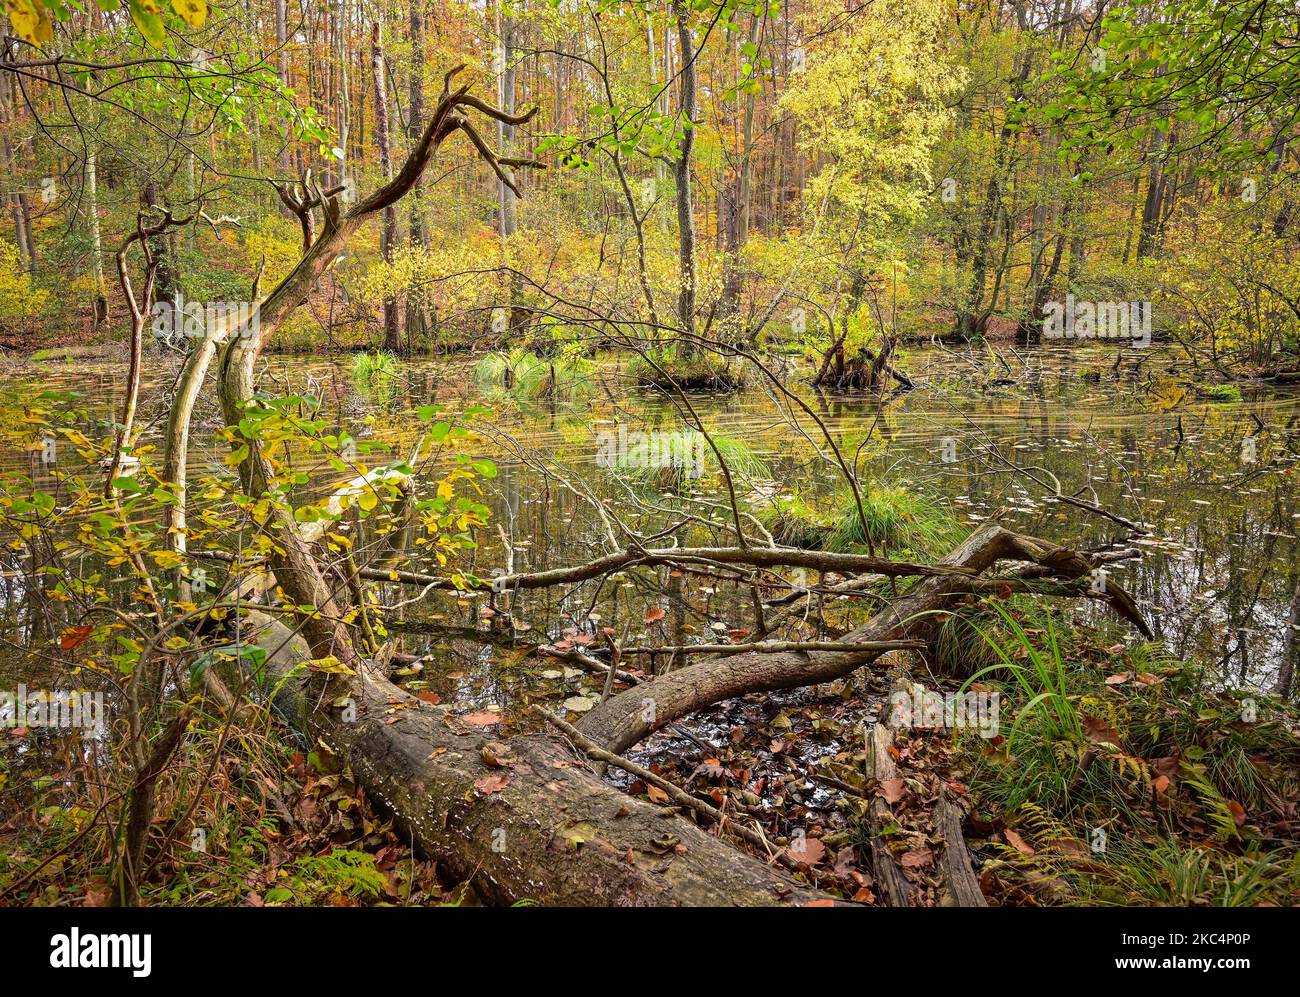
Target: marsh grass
{"points": [[741, 459], [1181, 784], [525, 376], [664, 367], [896, 519], [377, 376]]}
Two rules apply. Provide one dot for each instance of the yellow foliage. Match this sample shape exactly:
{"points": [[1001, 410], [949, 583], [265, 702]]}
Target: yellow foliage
{"points": [[1235, 286], [20, 299]]}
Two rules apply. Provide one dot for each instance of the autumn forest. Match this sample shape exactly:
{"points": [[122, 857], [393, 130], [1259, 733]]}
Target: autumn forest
{"points": [[650, 453]]}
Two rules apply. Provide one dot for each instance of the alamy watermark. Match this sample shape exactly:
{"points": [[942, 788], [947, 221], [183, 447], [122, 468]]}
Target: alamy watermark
{"points": [[684, 450], [922, 707], [173, 323], [1073, 319], [97, 950], [53, 709]]}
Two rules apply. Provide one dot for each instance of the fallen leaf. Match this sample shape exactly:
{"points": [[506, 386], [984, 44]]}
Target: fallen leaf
{"points": [[491, 784], [329, 666], [1238, 812], [483, 718], [916, 858], [654, 614], [1071, 847], [1099, 732], [429, 697], [1017, 842], [496, 755], [892, 790], [808, 850]]}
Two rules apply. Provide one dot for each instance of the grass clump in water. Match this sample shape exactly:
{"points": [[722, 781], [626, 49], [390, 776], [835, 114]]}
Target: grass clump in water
{"points": [[665, 367], [1223, 393], [896, 519], [525, 376], [678, 461], [376, 375]]}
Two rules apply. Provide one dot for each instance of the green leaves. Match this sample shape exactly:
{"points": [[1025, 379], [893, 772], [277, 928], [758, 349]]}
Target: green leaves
{"points": [[33, 20], [1196, 73]]}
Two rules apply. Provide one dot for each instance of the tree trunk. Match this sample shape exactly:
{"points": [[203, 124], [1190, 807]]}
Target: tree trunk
{"points": [[388, 237], [92, 226], [1290, 649], [685, 217], [737, 196], [543, 827], [417, 313], [626, 719], [507, 201], [282, 61]]}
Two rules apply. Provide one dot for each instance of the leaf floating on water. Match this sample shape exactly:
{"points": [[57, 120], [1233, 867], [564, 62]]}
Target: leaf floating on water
{"points": [[579, 704], [482, 718]]}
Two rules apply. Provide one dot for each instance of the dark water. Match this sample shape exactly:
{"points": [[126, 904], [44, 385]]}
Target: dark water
{"points": [[1218, 569]]}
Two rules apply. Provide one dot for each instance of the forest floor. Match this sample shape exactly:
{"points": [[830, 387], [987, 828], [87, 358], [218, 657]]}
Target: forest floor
{"points": [[1166, 793]]}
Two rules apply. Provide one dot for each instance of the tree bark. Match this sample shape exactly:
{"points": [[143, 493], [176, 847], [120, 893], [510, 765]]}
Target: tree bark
{"points": [[417, 313], [552, 832], [685, 216], [388, 237]]}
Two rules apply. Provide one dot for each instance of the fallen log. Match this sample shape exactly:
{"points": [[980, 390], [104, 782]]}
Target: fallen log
{"points": [[627, 718], [895, 889], [523, 819], [960, 887]]}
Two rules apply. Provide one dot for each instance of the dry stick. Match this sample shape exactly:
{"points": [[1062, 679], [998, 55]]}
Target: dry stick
{"points": [[679, 795], [764, 557], [588, 663]]}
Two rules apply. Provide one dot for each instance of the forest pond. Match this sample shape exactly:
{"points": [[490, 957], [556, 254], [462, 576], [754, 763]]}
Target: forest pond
{"points": [[1211, 482]]}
